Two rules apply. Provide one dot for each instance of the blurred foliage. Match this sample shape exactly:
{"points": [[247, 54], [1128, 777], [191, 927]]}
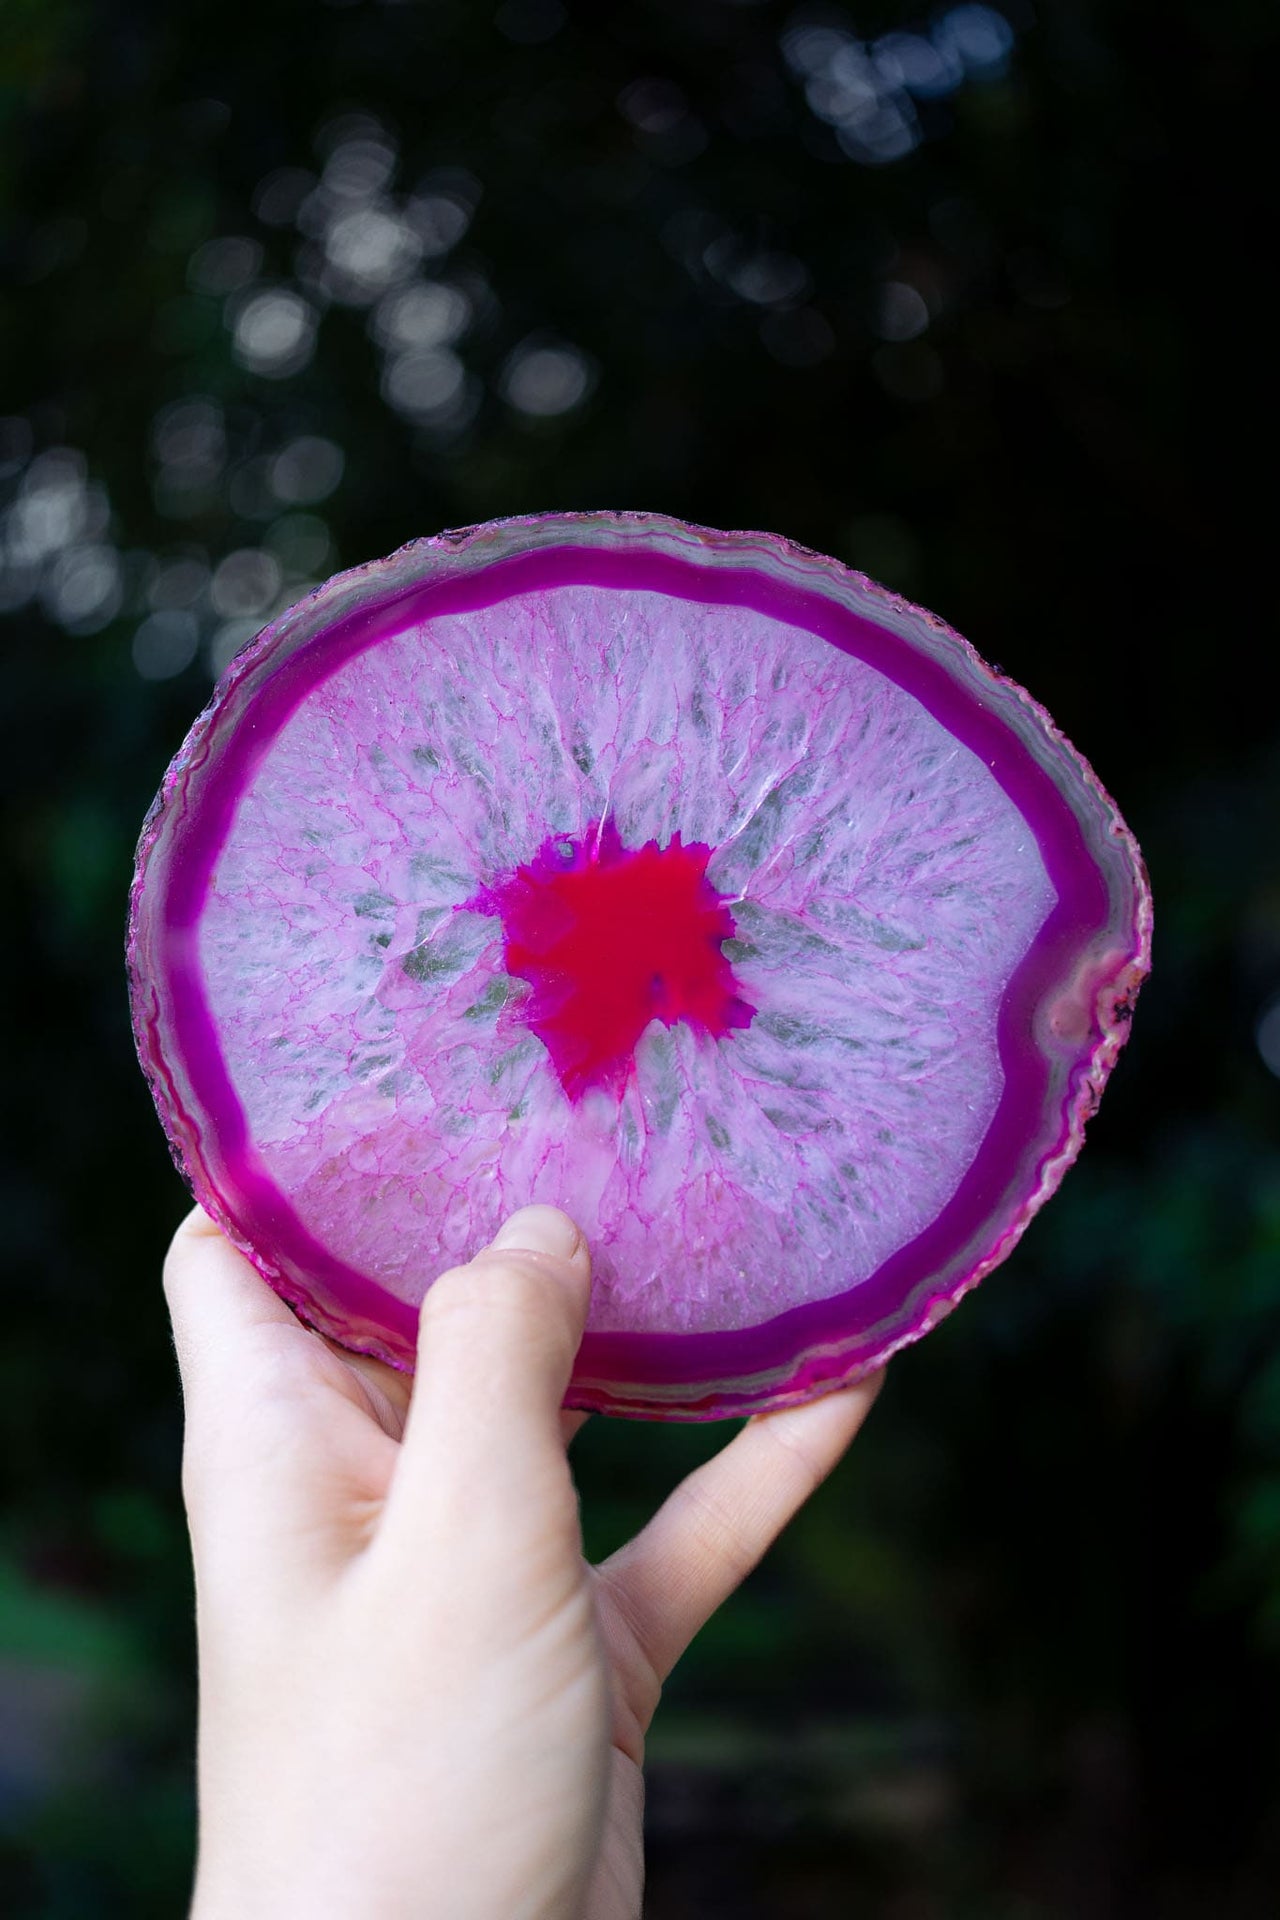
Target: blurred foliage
{"points": [[969, 297]]}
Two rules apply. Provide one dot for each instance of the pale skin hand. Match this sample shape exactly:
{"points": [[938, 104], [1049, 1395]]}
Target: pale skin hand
{"points": [[418, 1702]]}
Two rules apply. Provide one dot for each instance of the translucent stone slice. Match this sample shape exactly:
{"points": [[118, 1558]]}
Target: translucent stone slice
{"points": [[684, 880]]}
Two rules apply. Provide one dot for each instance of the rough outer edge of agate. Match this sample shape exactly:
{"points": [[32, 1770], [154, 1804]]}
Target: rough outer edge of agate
{"points": [[474, 549]]}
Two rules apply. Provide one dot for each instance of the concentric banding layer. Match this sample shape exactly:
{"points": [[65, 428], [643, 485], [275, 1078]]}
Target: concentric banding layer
{"points": [[1035, 994]]}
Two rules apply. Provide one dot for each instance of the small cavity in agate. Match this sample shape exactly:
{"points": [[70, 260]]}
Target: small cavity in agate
{"points": [[801, 1059]]}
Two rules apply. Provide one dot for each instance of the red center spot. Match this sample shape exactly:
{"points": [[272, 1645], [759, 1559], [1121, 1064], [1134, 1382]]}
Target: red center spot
{"points": [[609, 940]]}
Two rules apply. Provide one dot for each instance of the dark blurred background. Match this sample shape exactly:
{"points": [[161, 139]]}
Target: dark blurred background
{"points": [[971, 296]]}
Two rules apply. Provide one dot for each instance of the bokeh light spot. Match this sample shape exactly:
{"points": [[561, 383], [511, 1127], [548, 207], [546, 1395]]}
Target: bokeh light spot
{"points": [[165, 644], [439, 220], [1267, 1036], [178, 582], [423, 385], [225, 265], [430, 314], [980, 37], [246, 582], [918, 63], [278, 197], [901, 312], [83, 590], [653, 106], [357, 169], [307, 470], [189, 440], [369, 250], [302, 544], [546, 380], [273, 332]]}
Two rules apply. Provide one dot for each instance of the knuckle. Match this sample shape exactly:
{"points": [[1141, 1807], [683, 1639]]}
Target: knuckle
{"points": [[803, 1463], [513, 1283], [720, 1533]]}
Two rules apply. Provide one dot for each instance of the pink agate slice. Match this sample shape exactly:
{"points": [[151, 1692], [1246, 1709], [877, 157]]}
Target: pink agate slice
{"points": [[684, 880]]}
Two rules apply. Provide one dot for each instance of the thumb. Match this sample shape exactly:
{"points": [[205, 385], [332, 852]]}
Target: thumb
{"points": [[496, 1348]]}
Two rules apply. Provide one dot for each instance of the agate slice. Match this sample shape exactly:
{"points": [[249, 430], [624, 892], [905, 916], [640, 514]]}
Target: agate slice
{"points": [[684, 880]]}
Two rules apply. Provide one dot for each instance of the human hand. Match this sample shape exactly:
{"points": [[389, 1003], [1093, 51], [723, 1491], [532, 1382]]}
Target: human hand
{"points": [[416, 1699]]}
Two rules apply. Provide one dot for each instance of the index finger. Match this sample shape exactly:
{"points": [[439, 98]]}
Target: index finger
{"points": [[708, 1535]]}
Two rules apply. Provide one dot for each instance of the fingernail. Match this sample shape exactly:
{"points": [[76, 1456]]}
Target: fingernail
{"points": [[540, 1230]]}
